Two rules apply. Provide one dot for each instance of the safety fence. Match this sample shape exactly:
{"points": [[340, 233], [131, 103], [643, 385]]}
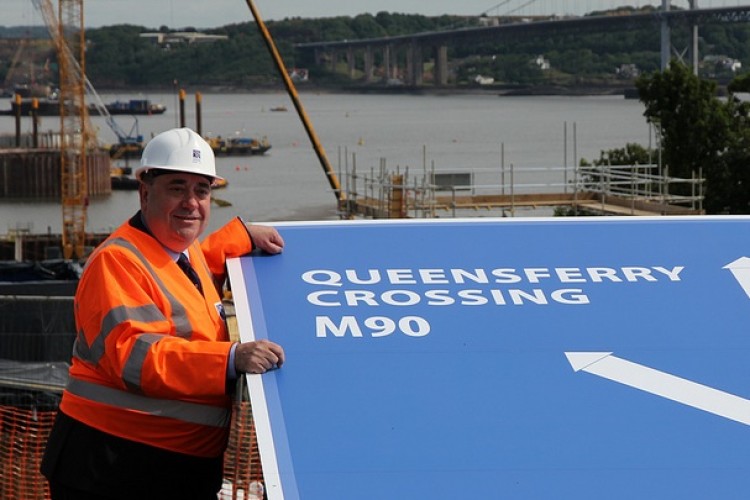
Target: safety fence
{"points": [[36, 337], [23, 434], [23, 437]]}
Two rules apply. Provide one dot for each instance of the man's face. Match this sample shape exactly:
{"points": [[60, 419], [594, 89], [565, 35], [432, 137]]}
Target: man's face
{"points": [[176, 208]]}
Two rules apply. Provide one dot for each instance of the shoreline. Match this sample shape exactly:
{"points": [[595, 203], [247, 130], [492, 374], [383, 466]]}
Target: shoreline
{"points": [[623, 89]]}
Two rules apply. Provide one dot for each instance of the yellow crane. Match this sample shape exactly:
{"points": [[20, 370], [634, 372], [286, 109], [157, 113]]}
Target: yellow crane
{"points": [[76, 134], [333, 179], [10, 77]]}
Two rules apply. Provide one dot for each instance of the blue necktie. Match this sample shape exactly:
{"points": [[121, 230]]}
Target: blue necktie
{"points": [[184, 264]]}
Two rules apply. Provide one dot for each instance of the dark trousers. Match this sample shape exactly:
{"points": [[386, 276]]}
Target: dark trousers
{"points": [[83, 463]]}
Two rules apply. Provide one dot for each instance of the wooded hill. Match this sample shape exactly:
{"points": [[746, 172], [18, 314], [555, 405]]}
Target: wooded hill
{"points": [[117, 57]]}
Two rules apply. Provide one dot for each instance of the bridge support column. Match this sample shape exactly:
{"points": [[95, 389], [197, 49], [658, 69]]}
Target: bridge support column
{"points": [[694, 58], [369, 63], [386, 62], [350, 61], [666, 42], [414, 64], [441, 65], [394, 72], [334, 59]]}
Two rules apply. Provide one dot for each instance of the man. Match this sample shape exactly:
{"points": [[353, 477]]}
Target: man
{"points": [[147, 408]]}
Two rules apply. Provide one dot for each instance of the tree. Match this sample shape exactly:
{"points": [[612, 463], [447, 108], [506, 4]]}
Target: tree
{"points": [[735, 159], [631, 154], [701, 132], [693, 126]]}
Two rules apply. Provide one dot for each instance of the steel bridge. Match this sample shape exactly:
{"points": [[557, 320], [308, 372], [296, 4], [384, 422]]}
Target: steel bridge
{"points": [[434, 44]]}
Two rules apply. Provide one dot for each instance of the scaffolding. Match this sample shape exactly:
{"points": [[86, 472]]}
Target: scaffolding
{"points": [[583, 190]]}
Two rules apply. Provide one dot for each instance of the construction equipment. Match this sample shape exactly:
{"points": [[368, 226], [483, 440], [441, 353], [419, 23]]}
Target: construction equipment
{"points": [[10, 77], [128, 144], [125, 140], [74, 130], [333, 179], [24, 75], [45, 6], [76, 133]]}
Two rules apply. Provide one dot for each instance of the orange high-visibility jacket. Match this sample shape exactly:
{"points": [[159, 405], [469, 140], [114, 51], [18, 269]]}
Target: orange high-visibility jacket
{"points": [[151, 353]]}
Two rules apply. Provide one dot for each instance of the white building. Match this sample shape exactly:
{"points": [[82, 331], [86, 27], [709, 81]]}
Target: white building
{"points": [[181, 38], [541, 62]]}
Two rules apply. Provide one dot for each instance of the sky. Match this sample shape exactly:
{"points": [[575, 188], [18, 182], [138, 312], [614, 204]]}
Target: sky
{"points": [[199, 14]]}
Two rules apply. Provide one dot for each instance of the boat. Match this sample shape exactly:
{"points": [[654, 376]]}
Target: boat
{"points": [[238, 146], [235, 146], [123, 183], [126, 150], [279, 108], [47, 100], [122, 179], [45, 106], [49, 105], [131, 107]]}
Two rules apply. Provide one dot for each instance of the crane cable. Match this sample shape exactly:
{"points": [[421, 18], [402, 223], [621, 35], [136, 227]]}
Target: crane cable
{"points": [[319, 151]]}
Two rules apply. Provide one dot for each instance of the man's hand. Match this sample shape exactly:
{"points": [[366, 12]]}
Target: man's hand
{"points": [[258, 357], [267, 238]]}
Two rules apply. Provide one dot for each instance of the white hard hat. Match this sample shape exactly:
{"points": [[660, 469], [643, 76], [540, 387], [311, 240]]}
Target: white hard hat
{"points": [[179, 150]]}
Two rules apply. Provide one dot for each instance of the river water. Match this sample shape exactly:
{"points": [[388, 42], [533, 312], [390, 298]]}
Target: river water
{"points": [[483, 134]]}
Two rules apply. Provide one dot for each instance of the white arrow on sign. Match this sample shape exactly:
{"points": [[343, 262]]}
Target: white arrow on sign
{"points": [[741, 271], [662, 384]]}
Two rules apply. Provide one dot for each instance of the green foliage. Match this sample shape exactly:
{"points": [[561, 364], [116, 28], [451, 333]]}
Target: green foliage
{"points": [[631, 154], [740, 84], [691, 120], [701, 133], [118, 57]]}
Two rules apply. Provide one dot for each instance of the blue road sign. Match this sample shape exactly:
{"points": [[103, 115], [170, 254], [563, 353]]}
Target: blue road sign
{"points": [[504, 358]]}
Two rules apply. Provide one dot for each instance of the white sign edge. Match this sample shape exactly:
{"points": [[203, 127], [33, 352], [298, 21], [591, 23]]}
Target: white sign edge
{"points": [[261, 417]]}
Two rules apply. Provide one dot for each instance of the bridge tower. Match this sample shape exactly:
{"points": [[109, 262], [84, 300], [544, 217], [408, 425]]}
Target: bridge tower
{"points": [[666, 41], [694, 60], [666, 38]]}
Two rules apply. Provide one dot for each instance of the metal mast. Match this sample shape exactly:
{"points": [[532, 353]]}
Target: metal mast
{"points": [[74, 134], [666, 42]]}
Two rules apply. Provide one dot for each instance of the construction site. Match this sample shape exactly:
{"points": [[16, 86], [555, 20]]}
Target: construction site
{"points": [[70, 165], [604, 190]]}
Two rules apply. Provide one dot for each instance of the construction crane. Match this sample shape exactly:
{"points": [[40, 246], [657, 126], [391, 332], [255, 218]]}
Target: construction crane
{"points": [[10, 77], [76, 133], [23, 75], [97, 104]]}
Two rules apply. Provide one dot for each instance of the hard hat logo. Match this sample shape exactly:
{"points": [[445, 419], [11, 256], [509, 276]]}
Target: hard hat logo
{"points": [[179, 150]]}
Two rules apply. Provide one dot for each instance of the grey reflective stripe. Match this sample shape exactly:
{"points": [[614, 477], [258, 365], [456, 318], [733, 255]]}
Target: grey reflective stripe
{"points": [[131, 374], [134, 364], [179, 315], [114, 317], [80, 346], [179, 410]]}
